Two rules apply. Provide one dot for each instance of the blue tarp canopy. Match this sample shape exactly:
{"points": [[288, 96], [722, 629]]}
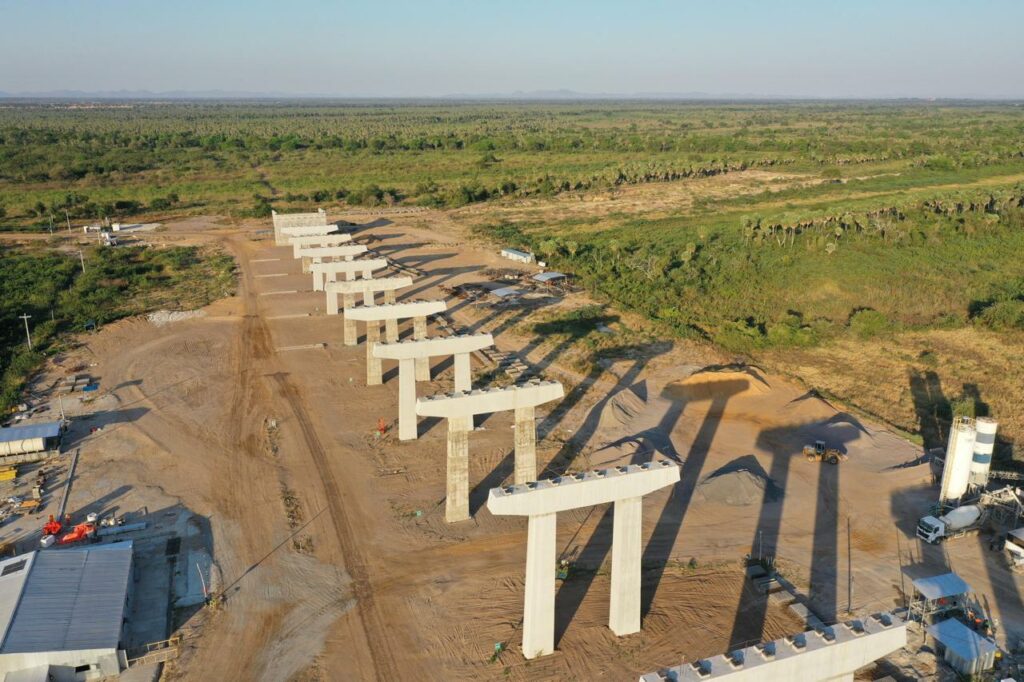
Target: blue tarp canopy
{"points": [[941, 586], [29, 431], [963, 641]]}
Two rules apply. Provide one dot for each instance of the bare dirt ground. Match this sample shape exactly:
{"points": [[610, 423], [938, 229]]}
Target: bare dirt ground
{"points": [[330, 545]]}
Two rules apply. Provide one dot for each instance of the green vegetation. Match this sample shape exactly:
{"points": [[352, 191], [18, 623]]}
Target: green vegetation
{"points": [[122, 281], [128, 159]]}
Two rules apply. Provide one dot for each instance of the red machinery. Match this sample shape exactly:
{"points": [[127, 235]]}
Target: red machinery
{"points": [[52, 527], [80, 532]]}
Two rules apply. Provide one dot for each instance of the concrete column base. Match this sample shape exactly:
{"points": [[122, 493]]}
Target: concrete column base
{"points": [[419, 332], [456, 506], [374, 374], [463, 372], [526, 445], [407, 429], [624, 611], [539, 603], [350, 335]]}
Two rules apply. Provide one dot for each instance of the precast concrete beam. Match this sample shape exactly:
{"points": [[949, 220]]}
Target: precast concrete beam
{"points": [[584, 489], [329, 271], [344, 251], [486, 401]]}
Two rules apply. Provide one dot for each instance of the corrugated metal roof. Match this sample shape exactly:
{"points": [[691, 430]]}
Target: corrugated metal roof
{"points": [[44, 430], [939, 586], [72, 599], [548, 276], [12, 580], [516, 252], [506, 291], [965, 642]]}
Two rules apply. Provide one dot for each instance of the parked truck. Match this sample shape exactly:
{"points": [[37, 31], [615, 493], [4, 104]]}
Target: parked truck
{"points": [[953, 524]]}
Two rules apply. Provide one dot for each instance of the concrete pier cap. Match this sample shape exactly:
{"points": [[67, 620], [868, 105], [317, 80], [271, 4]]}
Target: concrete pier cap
{"points": [[407, 353], [450, 345], [367, 287], [330, 270], [306, 241], [344, 251], [485, 401], [563, 493], [396, 311], [831, 654]]}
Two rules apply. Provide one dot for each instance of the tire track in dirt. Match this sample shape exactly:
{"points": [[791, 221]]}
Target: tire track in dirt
{"points": [[256, 345], [373, 626]]}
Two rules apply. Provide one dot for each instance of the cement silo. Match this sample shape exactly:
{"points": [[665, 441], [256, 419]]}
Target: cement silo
{"points": [[984, 444], [956, 470]]}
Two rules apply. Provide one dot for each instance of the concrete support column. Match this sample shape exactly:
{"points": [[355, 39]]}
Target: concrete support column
{"points": [[305, 264], [332, 302], [526, 445], [463, 373], [390, 326], [624, 611], [457, 502], [350, 335], [374, 375], [368, 297], [406, 400], [349, 276], [539, 607], [318, 281], [419, 331]]}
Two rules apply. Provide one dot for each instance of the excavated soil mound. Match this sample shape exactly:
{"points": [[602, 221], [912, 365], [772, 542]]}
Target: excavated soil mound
{"points": [[621, 409], [718, 385], [739, 487]]}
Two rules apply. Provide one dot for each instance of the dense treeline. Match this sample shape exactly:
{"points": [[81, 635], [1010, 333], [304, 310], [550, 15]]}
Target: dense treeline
{"points": [[130, 159], [51, 287]]}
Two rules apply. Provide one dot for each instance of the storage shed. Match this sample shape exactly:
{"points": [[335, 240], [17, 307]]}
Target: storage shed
{"points": [[19, 440], [517, 255], [968, 652], [63, 610]]}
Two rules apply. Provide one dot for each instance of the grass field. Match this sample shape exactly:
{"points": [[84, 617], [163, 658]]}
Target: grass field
{"points": [[819, 237]]}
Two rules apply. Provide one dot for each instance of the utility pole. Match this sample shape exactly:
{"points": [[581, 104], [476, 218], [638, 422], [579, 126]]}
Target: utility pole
{"points": [[849, 567], [28, 334], [67, 217], [51, 223], [81, 257]]}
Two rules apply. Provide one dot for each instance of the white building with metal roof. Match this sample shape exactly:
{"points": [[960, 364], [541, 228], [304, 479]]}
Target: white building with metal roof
{"points": [[63, 611], [28, 438]]}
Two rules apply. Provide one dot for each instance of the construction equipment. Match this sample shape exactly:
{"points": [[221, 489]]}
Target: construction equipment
{"points": [[81, 531], [820, 452], [52, 527], [953, 524]]}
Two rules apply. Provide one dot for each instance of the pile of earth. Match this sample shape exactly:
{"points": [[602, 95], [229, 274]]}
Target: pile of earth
{"points": [[712, 385], [622, 408], [740, 483]]}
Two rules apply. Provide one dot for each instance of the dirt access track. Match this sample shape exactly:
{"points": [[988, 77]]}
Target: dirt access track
{"points": [[330, 546]]}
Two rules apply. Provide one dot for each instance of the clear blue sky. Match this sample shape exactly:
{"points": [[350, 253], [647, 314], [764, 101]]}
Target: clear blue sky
{"points": [[816, 48]]}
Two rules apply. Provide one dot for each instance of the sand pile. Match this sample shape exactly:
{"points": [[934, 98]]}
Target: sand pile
{"points": [[739, 486], [721, 385], [621, 409]]}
